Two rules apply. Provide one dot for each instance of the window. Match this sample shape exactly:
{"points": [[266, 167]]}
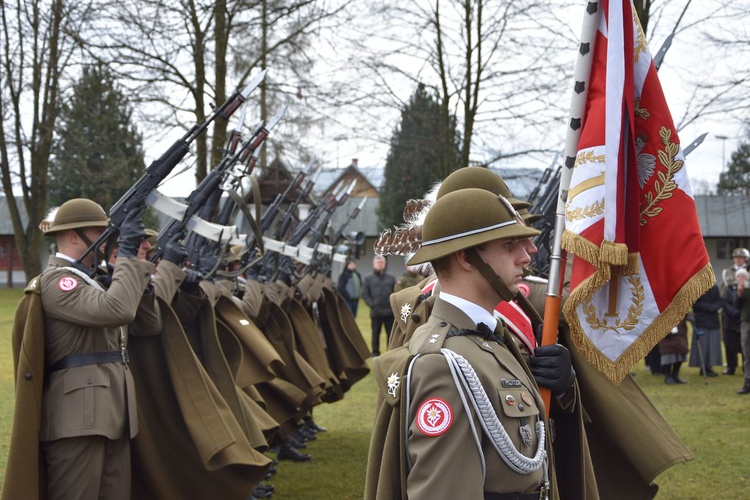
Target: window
{"points": [[724, 247]]}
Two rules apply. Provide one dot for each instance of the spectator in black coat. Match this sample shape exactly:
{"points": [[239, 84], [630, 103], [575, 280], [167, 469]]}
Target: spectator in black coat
{"points": [[706, 351], [376, 292]]}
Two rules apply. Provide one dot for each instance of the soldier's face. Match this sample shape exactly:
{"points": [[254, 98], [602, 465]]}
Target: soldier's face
{"points": [[529, 245], [92, 233], [144, 249], [739, 261], [507, 258]]}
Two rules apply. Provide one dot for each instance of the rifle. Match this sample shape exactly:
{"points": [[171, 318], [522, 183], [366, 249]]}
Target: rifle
{"points": [[158, 170], [353, 215], [250, 252], [200, 195], [323, 264], [289, 213], [195, 242], [546, 207], [266, 268], [286, 266]]}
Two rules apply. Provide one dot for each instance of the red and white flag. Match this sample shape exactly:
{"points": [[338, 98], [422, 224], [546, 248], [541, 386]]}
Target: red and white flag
{"points": [[631, 222]]}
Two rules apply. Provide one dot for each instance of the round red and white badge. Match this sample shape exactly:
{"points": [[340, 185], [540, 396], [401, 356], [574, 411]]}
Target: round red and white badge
{"points": [[525, 289], [67, 283], [434, 417]]}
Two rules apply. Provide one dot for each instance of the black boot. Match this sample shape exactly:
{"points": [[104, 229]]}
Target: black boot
{"points": [[745, 388], [311, 424], [287, 452]]}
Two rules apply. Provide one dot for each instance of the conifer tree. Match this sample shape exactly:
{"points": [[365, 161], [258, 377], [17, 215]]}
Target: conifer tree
{"points": [[98, 154], [736, 180], [423, 151]]}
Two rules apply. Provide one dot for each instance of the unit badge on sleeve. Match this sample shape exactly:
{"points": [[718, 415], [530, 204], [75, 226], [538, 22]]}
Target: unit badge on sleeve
{"points": [[434, 417], [67, 283]]}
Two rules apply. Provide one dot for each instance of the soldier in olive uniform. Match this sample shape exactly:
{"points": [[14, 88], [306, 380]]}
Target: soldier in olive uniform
{"points": [[474, 418], [88, 403]]}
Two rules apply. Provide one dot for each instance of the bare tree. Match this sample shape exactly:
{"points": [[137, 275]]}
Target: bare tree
{"points": [[37, 51], [179, 55], [493, 64]]}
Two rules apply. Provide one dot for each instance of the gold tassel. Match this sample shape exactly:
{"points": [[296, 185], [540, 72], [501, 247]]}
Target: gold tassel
{"points": [[632, 267], [613, 253], [580, 247]]}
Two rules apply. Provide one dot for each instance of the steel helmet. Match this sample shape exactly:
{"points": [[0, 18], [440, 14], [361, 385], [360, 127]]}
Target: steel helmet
{"points": [[74, 214]]}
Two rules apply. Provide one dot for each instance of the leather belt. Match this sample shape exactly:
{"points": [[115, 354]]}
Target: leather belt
{"points": [[511, 496], [94, 358]]}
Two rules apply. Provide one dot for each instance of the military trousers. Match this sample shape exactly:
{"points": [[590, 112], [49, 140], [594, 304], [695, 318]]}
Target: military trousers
{"points": [[86, 467]]}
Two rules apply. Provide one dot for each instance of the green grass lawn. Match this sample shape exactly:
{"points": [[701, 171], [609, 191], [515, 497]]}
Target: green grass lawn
{"points": [[712, 420]]}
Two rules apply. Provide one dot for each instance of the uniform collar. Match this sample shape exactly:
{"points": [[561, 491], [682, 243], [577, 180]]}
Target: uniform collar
{"points": [[64, 257], [475, 312]]}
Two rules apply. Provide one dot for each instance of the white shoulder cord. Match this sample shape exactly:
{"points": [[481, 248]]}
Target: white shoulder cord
{"points": [[492, 425], [463, 399]]}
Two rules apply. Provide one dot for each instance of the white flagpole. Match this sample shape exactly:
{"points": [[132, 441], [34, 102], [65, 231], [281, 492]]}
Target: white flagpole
{"points": [[581, 79]]}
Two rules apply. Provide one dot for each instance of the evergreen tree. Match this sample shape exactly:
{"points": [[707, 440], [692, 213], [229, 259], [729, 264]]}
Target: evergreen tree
{"points": [[423, 151], [736, 180], [98, 154]]}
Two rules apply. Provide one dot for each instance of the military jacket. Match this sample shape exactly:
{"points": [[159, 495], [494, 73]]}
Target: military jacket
{"points": [[96, 399], [449, 453]]}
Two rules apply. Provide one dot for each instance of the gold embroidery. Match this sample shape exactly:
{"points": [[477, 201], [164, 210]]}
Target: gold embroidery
{"points": [[639, 111], [597, 208], [634, 311], [665, 185], [588, 157]]}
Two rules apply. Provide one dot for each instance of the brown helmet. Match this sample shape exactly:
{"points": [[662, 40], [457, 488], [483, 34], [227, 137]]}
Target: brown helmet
{"points": [[528, 217], [74, 214], [151, 235], [466, 218], [480, 178]]}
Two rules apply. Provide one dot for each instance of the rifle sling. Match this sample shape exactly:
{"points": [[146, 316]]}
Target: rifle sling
{"points": [[253, 221]]}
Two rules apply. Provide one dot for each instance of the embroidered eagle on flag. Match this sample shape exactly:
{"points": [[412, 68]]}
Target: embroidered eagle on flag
{"points": [[631, 223]]}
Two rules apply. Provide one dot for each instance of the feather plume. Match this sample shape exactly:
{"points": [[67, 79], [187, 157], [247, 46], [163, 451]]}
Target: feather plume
{"points": [[48, 219], [414, 208]]}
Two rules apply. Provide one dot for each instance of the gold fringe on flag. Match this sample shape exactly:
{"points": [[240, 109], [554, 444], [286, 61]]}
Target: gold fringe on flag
{"points": [[632, 267], [613, 253], [580, 247], [618, 369]]}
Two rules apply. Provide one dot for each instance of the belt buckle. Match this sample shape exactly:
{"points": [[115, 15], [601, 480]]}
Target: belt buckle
{"points": [[125, 356]]}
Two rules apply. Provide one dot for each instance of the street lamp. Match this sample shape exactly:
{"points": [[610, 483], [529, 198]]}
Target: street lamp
{"points": [[723, 151]]}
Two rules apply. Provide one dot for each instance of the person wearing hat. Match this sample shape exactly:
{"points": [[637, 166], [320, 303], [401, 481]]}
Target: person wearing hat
{"points": [[472, 414], [88, 404]]}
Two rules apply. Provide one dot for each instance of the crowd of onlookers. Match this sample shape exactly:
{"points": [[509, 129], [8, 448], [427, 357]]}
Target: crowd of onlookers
{"points": [[722, 313]]}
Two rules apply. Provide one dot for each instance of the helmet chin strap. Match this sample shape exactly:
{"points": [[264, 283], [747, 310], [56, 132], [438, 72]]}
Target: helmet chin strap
{"points": [[492, 278]]}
